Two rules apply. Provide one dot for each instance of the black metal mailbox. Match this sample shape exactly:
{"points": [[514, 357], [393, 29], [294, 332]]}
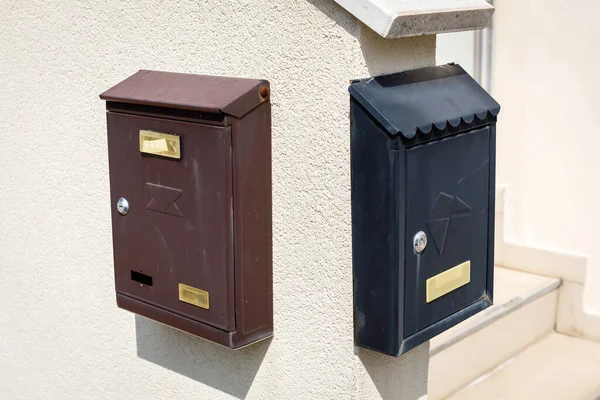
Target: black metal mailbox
{"points": [[423, 176]]}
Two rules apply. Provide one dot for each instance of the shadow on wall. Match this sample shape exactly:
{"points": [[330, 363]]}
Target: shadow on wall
{"points": [[338, 14], [388, 374], [380, 55], [384, 56], [229, 371]]}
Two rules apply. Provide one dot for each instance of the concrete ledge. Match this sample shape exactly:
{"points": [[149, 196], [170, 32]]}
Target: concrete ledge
{"points": [[556, 368], [402, 18], [512, 290], [456, 366]]}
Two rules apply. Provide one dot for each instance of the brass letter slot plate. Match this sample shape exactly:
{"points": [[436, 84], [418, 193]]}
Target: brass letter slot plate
{"points": [[160, 144], [191, 295], [448, 281]]}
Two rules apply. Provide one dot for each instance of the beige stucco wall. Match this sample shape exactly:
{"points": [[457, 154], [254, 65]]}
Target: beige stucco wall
{"points": [[61, 334], [546, 78]]}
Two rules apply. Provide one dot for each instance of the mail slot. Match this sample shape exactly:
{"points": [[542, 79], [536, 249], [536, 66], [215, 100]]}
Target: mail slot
{"points": [[423, 176], [190, 193]]}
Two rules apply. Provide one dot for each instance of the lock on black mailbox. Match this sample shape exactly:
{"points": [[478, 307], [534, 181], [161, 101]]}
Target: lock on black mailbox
{"points": [[423, 186]]}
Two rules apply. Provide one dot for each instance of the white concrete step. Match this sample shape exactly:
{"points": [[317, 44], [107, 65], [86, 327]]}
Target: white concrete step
{"points": [[524, 311], [558, 367]]}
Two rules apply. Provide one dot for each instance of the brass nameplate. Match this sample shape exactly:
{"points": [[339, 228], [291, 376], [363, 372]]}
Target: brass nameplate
{"points": [[448, 281], [160, 144], [191, 295]]}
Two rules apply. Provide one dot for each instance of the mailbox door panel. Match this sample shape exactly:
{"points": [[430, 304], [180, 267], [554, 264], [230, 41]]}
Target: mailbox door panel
{"points": [[447, 197], [179, 226]]}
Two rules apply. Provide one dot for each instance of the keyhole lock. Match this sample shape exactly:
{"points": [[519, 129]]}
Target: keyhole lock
{"points": [[419, 242], [123, 206]]}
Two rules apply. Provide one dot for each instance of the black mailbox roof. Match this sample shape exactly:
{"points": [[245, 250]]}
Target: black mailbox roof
{"points": [[420, 99]]}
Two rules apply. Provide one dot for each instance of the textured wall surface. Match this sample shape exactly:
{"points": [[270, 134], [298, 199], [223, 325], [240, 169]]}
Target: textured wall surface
{"points": [[546, 79], [61, 334]]}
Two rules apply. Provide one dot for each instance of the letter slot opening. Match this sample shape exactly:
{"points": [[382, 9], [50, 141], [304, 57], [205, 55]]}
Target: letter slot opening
{"points": [[141, 278]]}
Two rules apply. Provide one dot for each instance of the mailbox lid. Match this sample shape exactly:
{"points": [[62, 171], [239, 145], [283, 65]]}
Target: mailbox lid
{"points": [[179, 226], [430, 101], [449, 197], [213, 94]]}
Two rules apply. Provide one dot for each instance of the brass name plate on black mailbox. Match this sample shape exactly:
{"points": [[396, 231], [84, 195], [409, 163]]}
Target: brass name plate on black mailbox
{"points": [[447, 281]]}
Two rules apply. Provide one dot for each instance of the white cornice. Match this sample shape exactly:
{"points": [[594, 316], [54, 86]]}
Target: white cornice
{"points": [[401, 18]]}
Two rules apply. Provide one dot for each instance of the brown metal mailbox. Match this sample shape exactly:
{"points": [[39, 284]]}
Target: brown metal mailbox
{"points": [[190, 183]]}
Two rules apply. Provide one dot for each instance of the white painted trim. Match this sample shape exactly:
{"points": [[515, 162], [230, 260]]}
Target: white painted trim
{"points": [[546, 261], [571, 317], [401, 18]]}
